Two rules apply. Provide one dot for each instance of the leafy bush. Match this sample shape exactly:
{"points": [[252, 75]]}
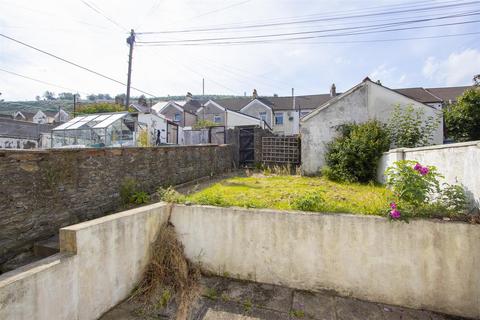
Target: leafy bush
{"points": [[453, 197], [409, 128], [139, 197], [309, 202], [100, 108], [128, 187], [170, 195], [417, 192], [462, 119], [201, 124], [411, 182], [354, 155]]}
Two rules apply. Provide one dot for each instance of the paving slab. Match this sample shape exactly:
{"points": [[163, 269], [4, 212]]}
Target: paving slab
{"points": [[352, 309], [314, 305], [221, 315]]}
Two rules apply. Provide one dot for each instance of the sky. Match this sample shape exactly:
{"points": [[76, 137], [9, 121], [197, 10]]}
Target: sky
{"points": [[93, 33]]}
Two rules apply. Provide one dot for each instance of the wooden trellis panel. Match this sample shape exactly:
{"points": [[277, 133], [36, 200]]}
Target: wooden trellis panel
{"points": [[282, 150]]}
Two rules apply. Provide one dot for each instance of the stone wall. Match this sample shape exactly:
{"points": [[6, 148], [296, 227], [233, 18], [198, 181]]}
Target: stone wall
{"points": [[44, 190]]}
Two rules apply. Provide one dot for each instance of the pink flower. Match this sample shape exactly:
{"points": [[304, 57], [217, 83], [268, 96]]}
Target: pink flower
{"points": [[417, 167], [424, 171], [393, 205], [395, 214]]}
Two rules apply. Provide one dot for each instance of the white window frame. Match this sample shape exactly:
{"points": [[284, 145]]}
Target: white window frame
{"points": [[175, 117], [217, 118], [263, 115]]}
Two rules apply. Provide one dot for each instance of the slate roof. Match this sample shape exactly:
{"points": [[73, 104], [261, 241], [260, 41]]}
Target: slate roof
{"points": [[192, 106], [448, 94], [419, 94]]}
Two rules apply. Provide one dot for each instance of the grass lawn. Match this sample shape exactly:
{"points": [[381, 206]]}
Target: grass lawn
{"points": [[285, 192]]}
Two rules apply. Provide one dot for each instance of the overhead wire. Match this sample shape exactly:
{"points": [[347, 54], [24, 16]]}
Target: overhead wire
{"points": [[41, 81], [73, 63], [323, 19], [103, 14]]}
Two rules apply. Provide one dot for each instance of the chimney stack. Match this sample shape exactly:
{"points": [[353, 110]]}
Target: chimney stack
{"points": [[255, 94], [188, 97], [333, 90]]}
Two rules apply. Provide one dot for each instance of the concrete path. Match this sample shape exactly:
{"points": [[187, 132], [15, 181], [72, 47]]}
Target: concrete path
{"points": [[227, 299]]}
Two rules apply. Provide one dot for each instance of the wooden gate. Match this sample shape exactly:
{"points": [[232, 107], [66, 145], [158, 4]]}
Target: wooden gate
{"points": [[247, 147]]}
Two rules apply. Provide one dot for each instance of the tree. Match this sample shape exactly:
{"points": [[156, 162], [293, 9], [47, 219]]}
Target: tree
{"points": [[476, 80], [120, 98], [92, 97], [107, 96], [100, 108], [462, 119], [48, 95], [409, 128], [142, 100], [37, 98], [65, 96]]}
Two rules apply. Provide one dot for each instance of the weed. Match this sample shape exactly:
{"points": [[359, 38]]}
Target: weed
{"points": [[309, 202], [297, 313], [139, 197], [211, 294], [170, 195], [168, 268], [165, 298], [247, 305], [127, 188]]}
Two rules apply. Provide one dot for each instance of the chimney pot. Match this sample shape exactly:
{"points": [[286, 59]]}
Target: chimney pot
{"points": [[255, 94], [188, 97], [333, 90]]}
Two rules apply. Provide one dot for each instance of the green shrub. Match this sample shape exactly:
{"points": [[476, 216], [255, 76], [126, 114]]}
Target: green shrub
{"points": [[417, 192], [462, 119], [310, 202], [412, 182], [127, 188], [453, 197], [409, 128], [139, 197], [354, 155], [170, 195]]}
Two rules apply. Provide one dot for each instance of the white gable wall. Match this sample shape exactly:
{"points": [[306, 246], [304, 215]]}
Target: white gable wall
{"points": [[235, 119], [255, 107], [366, 102]]}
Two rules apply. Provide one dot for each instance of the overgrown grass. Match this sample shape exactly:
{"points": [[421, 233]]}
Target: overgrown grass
{"points": [[295, 193]]}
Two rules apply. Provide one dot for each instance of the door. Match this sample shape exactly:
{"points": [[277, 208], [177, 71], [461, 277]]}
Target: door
{"points": [[247, 147]]}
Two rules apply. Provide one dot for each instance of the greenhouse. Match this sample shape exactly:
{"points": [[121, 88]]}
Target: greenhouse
{"points": [[96, 131]]}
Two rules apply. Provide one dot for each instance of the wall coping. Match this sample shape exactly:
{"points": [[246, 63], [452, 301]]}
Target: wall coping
{"points": [[60, 150], [296, 213], [436, 147]]}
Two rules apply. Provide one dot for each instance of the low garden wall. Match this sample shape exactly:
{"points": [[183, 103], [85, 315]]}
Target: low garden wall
{"points": [[458, 162], [100, 263], [44, 190], [423, 264]]}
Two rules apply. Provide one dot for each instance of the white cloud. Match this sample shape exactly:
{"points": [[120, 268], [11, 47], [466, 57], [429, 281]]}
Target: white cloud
{"points": [[388, 76], [457, 69]]}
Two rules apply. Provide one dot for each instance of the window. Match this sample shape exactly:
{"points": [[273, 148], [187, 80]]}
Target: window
{"points": [[263, 116], [217, 118], [177, 117], [279, 118]]}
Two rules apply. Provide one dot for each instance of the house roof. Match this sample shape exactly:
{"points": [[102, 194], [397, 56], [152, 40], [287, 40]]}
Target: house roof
{"points": [[277, 103], [419, 94], [140, 108], [448, 94], [192, 106]]}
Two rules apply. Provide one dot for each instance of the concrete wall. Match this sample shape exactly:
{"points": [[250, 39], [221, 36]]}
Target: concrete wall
{"points": [[100, 263], [422, 264], [45, 190], [365, 102], [18, 143], [458, 162]]}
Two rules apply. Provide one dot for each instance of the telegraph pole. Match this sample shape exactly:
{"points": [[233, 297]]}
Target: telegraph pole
{"points": [[130, 41], [74, 104]]}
